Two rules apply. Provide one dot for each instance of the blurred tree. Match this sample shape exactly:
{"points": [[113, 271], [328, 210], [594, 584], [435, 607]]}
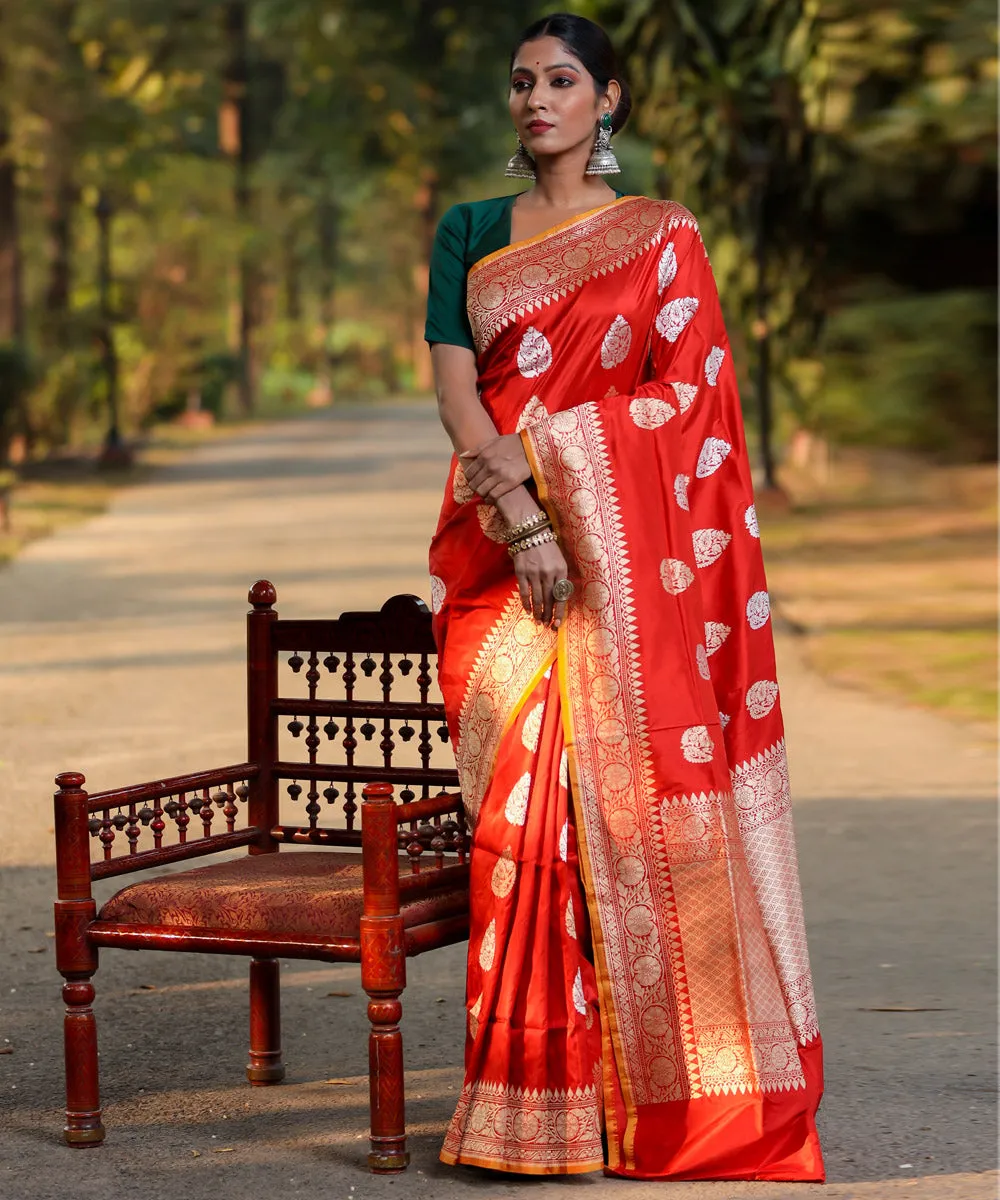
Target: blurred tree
{"points": [[722, 87], [840, 156], [823, 143]]}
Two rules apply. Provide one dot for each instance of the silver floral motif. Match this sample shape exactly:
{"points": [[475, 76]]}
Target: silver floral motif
{"points": [[673, 317], [715, 634], [758, 610], [488, 946], [516, 808], [532, 727], [750, 519], [461, 489], [714, 453], [491, 522], [534, 357], [649, 412], [667, 270], [761, 698], [438, 593], [675, 575], [697, 745], [709, 545], [579, 1000], [504, 875], [617, 343], [713, 365], [533, 411], [564, 841], [681, 491], [701, 657], [686, 394]]}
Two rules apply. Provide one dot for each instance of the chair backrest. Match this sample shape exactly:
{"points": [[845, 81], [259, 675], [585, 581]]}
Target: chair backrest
{"points": [[336, 704]]}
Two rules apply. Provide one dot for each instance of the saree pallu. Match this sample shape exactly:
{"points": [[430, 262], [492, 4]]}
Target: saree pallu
{"points": [[637, 964]]}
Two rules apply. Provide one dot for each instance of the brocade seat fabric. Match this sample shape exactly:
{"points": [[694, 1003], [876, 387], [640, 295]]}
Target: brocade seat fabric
{"points": [[313, 893]]}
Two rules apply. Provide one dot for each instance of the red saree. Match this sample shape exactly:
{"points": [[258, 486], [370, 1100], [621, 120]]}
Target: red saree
{"points": [[637, 960]]}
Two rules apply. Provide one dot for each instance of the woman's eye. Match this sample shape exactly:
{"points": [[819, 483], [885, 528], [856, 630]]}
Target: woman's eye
{"points": [[519, 85], [562, 81]]}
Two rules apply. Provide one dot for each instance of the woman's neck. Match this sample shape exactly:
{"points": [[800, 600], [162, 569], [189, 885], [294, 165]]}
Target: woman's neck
{"points": [[562, 184]]}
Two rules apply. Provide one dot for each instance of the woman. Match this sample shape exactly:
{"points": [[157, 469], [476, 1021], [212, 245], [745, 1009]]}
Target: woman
{"points": [[637, 974]]}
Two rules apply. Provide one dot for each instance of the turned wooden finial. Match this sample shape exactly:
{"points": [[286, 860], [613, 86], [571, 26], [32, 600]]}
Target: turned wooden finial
{"points": [[378, 793], [70, 781], [262, 594]]}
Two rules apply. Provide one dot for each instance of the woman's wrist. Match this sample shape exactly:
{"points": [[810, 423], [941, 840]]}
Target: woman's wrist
{"points": [[517, 505]]}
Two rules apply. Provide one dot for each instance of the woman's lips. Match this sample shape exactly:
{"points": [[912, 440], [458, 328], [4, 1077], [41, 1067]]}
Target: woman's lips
{"points": [[539, 126]]}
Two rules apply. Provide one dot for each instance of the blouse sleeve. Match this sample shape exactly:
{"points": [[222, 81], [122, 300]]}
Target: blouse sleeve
{"points": [[447, 320]]}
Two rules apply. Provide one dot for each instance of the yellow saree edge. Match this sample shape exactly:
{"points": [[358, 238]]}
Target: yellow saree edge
{"points": [[517, 1168], [546, 663], [537, 474], [538, 238], [600, 957]]}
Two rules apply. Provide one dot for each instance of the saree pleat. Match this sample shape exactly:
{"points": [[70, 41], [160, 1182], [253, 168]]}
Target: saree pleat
{"points": [[638, 962], [532, 1005]]}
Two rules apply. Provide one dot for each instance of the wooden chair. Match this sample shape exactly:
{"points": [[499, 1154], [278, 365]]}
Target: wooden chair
{"points": [[395, 887]]}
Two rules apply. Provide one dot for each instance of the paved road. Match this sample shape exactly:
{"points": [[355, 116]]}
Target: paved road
{"points": [[121, 653]]}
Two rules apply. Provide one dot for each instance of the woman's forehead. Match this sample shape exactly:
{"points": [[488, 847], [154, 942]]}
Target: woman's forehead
{"points": [[545, 54]]}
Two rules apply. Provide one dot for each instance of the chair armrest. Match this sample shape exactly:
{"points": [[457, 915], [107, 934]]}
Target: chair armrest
{"points": [[185, 805]]}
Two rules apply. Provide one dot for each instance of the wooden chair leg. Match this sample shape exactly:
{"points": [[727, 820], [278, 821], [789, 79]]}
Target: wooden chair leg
{"points": [[383, 976], [84, 1126], [265, 1065], [388, 1154]]}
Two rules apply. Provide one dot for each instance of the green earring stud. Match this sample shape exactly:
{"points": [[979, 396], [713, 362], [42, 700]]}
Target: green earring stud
{"points": [[606, 122]]}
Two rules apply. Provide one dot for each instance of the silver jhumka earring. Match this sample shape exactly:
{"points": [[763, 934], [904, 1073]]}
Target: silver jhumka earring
{"points": [[522, 165], [602, 158]]}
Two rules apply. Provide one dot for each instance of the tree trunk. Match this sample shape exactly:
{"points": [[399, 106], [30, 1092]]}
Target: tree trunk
{"points": [[426, 203], [762, 333], [11, 289], [234, 140], [328, 236], [293, 273], [60, 197]]}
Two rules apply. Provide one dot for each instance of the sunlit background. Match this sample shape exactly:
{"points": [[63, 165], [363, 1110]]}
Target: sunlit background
{"points": [[210, 211]]}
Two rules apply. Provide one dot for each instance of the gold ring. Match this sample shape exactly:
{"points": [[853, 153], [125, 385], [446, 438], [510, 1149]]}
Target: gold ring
{"points": [[562, 589]]}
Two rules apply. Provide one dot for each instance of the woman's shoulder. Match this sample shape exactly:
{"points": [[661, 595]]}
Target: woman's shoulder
{"points": [[674, 215], [470, 212], [671, 212]]}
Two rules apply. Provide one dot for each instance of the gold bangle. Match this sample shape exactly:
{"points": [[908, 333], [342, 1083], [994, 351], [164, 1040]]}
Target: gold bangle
{"points": [[538, 520], [531, 541]]}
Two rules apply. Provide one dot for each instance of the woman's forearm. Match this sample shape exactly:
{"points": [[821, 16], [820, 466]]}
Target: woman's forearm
{"points": [[467, 423]]}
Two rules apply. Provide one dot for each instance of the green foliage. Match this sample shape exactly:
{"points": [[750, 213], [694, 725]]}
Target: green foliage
{"points": [[842, 143], [848, 144], [908, 371]]}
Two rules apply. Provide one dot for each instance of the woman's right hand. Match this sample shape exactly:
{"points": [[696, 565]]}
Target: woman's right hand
{"points": [[537, 570]]}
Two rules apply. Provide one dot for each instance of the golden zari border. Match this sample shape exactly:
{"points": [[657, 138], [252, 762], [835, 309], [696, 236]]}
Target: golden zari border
{"points": [[513, 656], [522, 278], [682, 1026], [533, 1132]]}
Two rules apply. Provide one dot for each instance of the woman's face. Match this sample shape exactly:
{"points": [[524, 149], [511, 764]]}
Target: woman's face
{"points": [[553, 101]]}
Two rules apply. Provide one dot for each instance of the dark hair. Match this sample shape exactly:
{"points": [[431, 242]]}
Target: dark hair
{"points": [[589, 43]]}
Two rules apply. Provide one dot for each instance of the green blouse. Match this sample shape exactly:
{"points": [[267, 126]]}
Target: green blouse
{"points": [[465, 234]]}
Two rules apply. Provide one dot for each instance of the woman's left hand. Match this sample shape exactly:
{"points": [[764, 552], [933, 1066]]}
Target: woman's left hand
{"points": [[496, 468]]}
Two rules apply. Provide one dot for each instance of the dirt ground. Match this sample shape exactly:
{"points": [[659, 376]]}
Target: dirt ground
{"points": [[121, 654]]}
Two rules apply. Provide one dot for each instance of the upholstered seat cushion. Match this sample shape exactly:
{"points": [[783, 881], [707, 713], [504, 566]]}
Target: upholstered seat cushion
{"points": [[311, 892]]}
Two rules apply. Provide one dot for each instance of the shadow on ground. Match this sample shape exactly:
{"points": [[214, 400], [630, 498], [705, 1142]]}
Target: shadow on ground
{"points": [[902, 942]]}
